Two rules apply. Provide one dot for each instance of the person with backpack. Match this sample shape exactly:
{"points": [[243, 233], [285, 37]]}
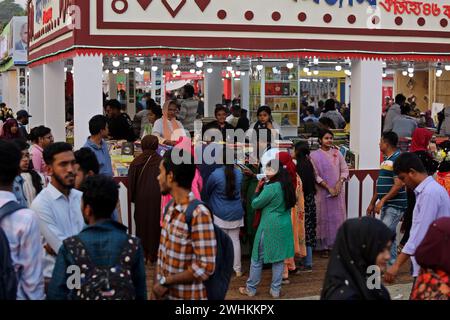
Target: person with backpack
{"points": [[188, 243], [21, 252], [110, 262]]}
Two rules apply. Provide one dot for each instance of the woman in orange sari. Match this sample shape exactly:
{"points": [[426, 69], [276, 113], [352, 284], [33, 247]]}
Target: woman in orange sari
{"points": [[297, 215]]}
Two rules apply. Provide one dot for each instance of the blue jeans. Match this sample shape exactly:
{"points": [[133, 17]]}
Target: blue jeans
{"points": [[309, 257], [256, 269], [391, 217]]}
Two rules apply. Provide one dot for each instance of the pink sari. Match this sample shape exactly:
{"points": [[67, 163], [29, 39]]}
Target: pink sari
{"points": [[330, 166]]}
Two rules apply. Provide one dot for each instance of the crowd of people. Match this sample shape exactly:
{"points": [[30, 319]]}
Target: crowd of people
{"points": [[59, 208]]}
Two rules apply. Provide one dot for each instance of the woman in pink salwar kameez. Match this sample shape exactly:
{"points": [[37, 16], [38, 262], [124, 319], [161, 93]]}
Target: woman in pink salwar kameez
{"points": [[331, 174]]}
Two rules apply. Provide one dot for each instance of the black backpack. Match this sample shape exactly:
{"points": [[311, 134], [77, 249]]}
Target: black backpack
{"points": [[218, 283], [105, 282], [8, 277]]}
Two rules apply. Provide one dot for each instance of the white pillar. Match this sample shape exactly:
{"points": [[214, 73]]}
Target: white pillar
{"points": [[213, 90], [36, 103], [348, 83], [366, 102], [153, 80], [245, 91], [54, 99], [112, 84], [87, 94]]}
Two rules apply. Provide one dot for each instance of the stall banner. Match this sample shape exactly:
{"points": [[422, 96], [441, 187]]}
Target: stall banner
{"points": [[245, 15], [20, 40], [13, 41], [47, 17]]}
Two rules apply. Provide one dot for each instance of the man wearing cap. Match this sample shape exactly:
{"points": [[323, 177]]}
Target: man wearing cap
{"points": [[22, 119]]}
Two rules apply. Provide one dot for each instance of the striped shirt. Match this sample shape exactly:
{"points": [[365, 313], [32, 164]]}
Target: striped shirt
{"points": [[22, 230], [180, 251], [385, 182]]}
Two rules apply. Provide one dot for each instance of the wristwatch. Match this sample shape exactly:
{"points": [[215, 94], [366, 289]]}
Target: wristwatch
{"points": [[162, 281]]}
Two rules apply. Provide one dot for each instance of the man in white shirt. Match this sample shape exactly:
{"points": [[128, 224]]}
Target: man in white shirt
{"points": [[21, 229], [59, 205]]}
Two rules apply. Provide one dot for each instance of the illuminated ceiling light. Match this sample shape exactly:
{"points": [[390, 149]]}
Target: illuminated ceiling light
{"points": [[116, 63], [126, 59], [138, 69], [154, 68], [384, 73], [242, 73], [65, 69], [439, 73], [174, 66], [309, 73], [238, 73], [316, 61], [447, 67], [338, 67], [199, 72], [107, 71], [209, 69], [289, 65], [192, 71], [306, 69], [126, 71], [229, 68], [114, 71], [178, 59], [320, 80], [192, 59], [348, 72], [199, 64], [328, 80], [410, 68], [315, 71], [411, 74], [142, 72], [405, 73]]}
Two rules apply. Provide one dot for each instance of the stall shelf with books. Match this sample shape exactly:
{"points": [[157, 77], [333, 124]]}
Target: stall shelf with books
{"points": [[278, 88]]}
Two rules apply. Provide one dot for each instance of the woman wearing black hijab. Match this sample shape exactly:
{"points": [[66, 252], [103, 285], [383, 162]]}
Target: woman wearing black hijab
{"points": [[360, 243]]}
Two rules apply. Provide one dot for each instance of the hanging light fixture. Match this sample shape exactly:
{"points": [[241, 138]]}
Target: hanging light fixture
{"points": [[114, 71], [447, 67], [384, 75], [210, 68], [174, 66], [411, 74], [289, 65], [107, 71], [338, 67], [405, 73], [154, 68], [192, 59], [315, 71], [439, 70], [306, 69], [126, 71], [309, 73], [178, 59], [348, 72], [199, 64], [138, 69], [410, 68], [126, 59], [65, 69], [192, 71], [116, 63], [243, 73]]}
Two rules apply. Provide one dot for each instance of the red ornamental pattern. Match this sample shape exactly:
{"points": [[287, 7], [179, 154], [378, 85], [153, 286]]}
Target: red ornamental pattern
{"points": [[412, 7]]}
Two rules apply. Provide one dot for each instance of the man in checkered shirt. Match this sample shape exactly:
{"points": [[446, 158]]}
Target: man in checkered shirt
{"points": [[185, 259]]}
